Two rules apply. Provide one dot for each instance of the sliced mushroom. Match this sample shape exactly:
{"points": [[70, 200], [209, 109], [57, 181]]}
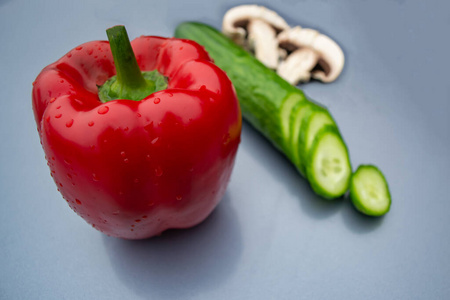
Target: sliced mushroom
{"points": [[262, 38], [298, 65], [331, 60], [329, 56], [255, 28], [282, 53]]}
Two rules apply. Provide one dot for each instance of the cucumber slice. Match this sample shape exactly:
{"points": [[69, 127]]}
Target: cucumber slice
{"points": [[369, 191], [299, 112], [316, 121], [286, 112], [312, 121], [328, 167]]}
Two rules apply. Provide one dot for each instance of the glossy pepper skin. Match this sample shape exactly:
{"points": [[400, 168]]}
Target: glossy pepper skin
{"points": [[133, 169]]}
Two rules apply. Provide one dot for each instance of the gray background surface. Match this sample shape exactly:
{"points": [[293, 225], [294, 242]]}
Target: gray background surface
{"points": [[271, 237]]}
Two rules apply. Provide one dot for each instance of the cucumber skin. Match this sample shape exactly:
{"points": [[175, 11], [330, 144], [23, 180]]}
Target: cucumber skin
{"points": [[361, 208], [261, 97]]}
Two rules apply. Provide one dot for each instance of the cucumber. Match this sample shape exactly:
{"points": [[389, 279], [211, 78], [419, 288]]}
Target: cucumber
{"points": [[369, 191], [265, 98], [272, 105], [328, 167]]}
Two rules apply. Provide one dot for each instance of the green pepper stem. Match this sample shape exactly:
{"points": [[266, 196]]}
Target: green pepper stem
{"points": [[128, 72], [129, 83]]}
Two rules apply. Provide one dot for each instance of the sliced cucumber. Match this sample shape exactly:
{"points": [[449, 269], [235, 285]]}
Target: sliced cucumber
{"points": [[273, 106], [286, 114], [315, 120], [369, 191], [298, 114], [328, 167]]}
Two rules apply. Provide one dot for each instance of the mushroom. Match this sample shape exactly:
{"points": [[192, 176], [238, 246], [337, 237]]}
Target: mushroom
{"points": [[255, 28], [310, 54]]}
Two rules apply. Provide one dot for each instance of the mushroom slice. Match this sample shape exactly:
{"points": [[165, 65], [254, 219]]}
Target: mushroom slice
{"points": [[262, 39], [330, 60], [282, 53], [237, 19], [297, 67]]}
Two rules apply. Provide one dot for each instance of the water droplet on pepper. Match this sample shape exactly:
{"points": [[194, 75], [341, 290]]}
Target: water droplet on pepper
{"points": [[103, 110]]}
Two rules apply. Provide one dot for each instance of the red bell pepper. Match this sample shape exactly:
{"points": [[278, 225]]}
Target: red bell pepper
{"points": [[134, 168]]}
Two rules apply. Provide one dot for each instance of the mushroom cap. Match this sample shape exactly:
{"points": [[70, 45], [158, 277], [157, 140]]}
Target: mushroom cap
{"points": [[237, 18], [297, 37]]}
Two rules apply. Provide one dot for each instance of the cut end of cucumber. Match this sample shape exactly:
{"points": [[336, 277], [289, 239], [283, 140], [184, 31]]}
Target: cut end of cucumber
{"points": [[369, 191], [329, 168]]}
